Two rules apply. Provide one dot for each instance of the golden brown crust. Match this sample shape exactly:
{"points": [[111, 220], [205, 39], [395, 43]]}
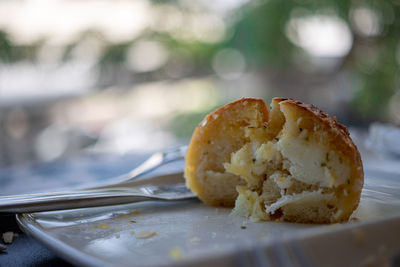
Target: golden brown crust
{"points": [[339, 140], [330, 122], [211, 145], [222, 133], [339, 131], [245, 103]]}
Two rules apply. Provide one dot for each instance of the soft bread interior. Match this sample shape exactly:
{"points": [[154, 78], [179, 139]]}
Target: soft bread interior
{"points": [[218, 135], [296, 168], [294, 163]]}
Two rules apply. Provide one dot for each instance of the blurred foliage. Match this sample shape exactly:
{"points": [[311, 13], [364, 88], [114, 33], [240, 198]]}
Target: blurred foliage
{"points": [[183, 124], [260, 35], [259, 32], [376, 85], [114, 54], [10, 52], [6, 48]]}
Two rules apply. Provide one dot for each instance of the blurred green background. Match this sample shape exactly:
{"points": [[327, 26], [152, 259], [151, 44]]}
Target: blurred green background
{"points": [[137, 76]]}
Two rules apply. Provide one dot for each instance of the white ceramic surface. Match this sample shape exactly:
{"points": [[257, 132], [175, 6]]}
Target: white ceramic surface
{"points": [[191, 233]]}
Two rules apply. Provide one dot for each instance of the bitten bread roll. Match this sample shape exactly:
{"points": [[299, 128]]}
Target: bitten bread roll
{"points": [[294, 163]]}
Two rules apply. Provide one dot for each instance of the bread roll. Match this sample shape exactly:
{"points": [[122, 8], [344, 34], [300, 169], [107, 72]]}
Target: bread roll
{"points": [[294, 163]]}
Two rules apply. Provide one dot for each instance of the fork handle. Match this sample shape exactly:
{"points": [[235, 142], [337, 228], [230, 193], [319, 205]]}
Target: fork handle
{"points": [[70, 200]]}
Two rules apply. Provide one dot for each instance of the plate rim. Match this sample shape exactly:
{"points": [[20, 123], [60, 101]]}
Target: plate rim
{"points": [[76, 257], [65, 251]]}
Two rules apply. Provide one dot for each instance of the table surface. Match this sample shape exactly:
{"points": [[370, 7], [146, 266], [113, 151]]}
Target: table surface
{"points": [[25, 251]]}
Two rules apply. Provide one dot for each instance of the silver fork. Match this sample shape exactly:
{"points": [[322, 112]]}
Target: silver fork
{"points": [[92, 198], [153, 162], [103, 196]]}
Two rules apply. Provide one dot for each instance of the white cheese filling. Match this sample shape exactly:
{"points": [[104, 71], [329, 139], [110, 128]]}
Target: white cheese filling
{"points": [[304, 196], [311, 163], [287, 161]]}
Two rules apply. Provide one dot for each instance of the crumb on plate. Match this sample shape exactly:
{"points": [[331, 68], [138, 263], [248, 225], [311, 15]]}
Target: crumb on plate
{"points": [[103, 226], [176, 253], [8, 237], [145, 234]]}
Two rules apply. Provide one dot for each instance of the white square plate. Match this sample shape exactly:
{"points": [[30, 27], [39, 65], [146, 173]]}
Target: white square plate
{"points": [[191, 233]]}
